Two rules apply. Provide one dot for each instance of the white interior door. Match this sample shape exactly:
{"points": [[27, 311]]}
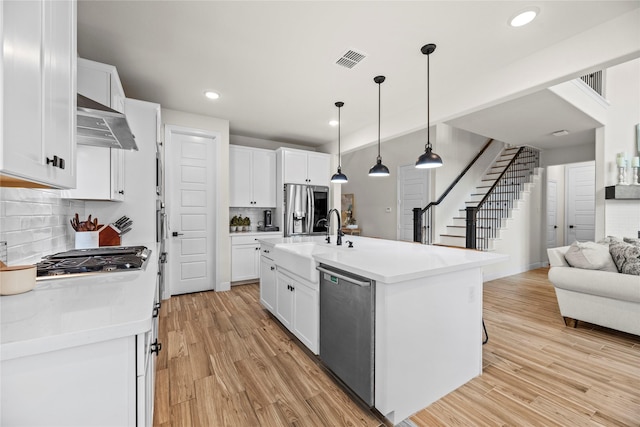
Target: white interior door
{"points": [[580, 200], [191, 188], [412, 192], [552, 214]]}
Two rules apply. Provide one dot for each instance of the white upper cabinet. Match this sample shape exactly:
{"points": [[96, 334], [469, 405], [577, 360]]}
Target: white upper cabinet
{"points": [[100, 170], [38, 105], [252, 177], [304, 167]]}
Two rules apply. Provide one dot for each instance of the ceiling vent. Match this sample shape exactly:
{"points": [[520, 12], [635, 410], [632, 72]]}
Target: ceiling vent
{"points": [[350, 58]]}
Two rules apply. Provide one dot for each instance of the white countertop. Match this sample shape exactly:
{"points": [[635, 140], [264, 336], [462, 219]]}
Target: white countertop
{"points": [[386, 261], [62, 313]]}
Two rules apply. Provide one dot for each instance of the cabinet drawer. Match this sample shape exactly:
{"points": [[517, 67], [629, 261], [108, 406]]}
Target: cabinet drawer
{"points": [[244, 240]]}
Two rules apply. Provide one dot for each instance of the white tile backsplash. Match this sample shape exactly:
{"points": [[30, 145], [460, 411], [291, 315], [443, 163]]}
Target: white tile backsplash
{"points": [[622, 218], [35, 223], [255, 215]]}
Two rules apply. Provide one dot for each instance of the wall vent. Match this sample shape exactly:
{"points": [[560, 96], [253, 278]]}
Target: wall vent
{"points": [[350, 58]]}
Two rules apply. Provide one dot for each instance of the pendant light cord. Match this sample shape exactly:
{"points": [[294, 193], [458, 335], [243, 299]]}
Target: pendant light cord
{"points": [[379, 120], [339, 156], [428, 107]]}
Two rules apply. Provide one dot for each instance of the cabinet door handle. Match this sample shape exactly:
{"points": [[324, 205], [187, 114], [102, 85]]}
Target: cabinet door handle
{"points": [[121, 192], [257, 249], [176, 234], [571, 226], [272, 268], [156, 311]]}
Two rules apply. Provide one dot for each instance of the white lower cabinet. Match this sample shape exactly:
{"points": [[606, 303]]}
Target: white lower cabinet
{"points": [[245, 258], [88, 385], [268, 290], [298, 308], [245, 255]]}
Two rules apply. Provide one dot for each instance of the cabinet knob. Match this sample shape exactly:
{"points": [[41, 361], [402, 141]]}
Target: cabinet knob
{"points": [[257, 249], [272, 268], [121, 192]]}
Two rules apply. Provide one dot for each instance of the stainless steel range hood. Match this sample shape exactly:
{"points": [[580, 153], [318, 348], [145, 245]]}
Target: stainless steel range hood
{"points": [[100, 126]]}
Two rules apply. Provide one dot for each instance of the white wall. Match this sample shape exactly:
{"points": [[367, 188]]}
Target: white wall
{"points": [[618, 217], [35, 223], [264, 143], [563, 155], [223, 243]]}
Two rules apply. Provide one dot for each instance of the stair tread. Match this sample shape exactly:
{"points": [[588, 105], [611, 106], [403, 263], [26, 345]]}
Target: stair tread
{"points": [[463, 226]]}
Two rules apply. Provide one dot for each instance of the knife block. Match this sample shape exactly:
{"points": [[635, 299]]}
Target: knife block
{"points": [[109, 235]]}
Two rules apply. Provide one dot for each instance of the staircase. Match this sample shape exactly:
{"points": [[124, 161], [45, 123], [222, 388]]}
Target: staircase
{"points": [[493, 200]]}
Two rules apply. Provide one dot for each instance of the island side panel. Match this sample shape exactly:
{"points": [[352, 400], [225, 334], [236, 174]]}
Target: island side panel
{"points": [[428, 340]]}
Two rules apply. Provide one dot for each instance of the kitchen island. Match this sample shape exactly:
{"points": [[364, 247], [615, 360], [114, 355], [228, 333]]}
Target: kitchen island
{"points": [[77, 351], [428, 310]]}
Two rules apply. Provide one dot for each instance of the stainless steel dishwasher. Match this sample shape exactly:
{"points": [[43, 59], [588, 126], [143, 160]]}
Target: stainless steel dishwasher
{"points": [[347, 329]]}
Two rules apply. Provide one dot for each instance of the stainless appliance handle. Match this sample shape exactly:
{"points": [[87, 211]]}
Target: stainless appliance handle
{"points": [[311, 210], [343, 277]]}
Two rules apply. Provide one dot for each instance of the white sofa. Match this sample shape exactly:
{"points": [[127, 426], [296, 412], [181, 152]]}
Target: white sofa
{"points": [[600, 297]]}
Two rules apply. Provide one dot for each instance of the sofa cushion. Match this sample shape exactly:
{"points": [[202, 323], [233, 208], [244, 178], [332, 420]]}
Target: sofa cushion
{"points": [[590, 256], [626, 257]]}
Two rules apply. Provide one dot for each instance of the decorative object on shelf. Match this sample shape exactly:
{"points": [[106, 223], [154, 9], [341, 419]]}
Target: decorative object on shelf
{"points": [[621, 161], [235, 223], [429, 159], [339, 177], [246, 223], [379, 169], [635, 164]]}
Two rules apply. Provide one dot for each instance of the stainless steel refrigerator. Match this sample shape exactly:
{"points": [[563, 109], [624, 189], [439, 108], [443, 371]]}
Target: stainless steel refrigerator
{"points": [[305, 209]]}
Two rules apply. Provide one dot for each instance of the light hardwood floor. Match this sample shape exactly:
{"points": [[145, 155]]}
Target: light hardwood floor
{"points": [[226, 362]]}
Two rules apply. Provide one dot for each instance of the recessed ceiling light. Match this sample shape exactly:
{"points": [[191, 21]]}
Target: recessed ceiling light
{"points": [[211, 95], [524, 17], [333, 123]]}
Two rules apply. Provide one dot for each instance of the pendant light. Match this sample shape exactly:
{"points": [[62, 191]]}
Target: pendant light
{"points": [[429, 159], [339, 177], [379, 169]]}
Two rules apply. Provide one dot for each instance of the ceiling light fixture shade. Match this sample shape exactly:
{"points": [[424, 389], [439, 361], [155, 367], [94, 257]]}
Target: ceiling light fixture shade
{"points": [[429, 159], [212, 95], [379, 169], [339, 177], [524, 17]]}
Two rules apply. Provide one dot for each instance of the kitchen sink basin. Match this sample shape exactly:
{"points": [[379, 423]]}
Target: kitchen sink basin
{"points": [[298, 258]]}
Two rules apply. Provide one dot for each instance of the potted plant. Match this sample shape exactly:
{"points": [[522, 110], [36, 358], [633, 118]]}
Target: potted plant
{"points": [[234, 224], [246, 222]]}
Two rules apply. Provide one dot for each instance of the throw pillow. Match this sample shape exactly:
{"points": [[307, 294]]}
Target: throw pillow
{"points": [[590, 256], [635, 242], [627, 257], [609, 240]]}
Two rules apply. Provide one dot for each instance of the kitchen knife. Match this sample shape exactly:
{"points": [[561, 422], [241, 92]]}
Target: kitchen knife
{"points": [[121, 221], [125, 231], [125, 225]]}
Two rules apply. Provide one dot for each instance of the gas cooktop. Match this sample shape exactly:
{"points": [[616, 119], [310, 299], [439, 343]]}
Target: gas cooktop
{"points": [[95, 260]]}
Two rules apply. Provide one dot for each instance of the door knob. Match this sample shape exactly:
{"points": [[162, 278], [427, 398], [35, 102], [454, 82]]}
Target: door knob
{"points": [[571, 226], [176, 234]]}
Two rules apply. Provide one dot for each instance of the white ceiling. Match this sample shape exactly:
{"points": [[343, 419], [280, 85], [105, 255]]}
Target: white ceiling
{"points": [[273, 63]]}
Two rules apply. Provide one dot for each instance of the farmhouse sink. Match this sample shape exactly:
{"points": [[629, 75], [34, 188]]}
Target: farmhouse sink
{"points": [[298, 258]]}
